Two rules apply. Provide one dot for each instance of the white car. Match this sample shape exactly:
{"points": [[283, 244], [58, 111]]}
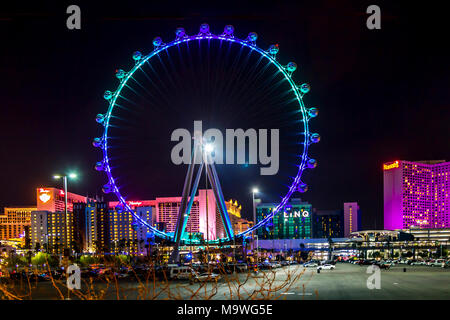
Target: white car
{"points": [[310, 264], [326, 267], [437, 263], [204, 277], [181, 273]]}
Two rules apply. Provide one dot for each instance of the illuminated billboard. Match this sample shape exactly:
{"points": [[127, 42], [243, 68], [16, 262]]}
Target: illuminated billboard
{"points": [[391, 165]]}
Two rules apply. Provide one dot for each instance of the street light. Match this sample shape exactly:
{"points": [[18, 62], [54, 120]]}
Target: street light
{"points": [[255, 190], [209, 147], [64, 177]]}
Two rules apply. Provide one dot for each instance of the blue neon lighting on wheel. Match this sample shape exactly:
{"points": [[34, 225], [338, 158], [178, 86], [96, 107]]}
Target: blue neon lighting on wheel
{"points": [[205, 34]]}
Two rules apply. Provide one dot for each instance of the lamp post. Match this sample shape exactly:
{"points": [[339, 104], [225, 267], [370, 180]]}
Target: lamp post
{"points": [[254, 191], [64, 177]]}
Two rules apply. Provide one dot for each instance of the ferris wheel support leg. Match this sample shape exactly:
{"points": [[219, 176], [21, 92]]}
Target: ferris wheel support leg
{"points": [[212, 175], [191, 199], [174, 257]]}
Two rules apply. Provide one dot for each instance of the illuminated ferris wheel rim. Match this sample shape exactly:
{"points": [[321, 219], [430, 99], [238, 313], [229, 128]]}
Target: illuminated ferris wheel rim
{"points": [[205, 34]]}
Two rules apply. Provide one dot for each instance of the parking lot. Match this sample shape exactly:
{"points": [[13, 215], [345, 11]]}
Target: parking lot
{"points": [[346, 282], [349, 282]]}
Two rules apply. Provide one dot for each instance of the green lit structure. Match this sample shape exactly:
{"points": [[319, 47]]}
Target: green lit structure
{"points": [[293, 222]]}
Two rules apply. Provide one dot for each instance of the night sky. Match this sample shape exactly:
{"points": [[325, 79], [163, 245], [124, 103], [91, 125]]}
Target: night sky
{"points": [[383, 95]]}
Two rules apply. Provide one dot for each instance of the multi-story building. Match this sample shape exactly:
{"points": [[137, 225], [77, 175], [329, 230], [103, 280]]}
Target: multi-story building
{"points": [[91, 232], [238, 223], [294, 222], [50, 228], [166, 214], [52, 199], [328, 224], [352, 218], [14, 221], [416, 194], [125, 234], [48, 231]]}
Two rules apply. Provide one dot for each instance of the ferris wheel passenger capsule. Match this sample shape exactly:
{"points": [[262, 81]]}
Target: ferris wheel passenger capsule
{"points": [[107, 95], [97, 142], [180, 33], [157, 42], [273, 49], [99, 166], [252, 37], [302, 187], [312, 163], [315, 137], [100, 118], [137, 55], [229, 30], [291, 67], [313, 112], [204, 29], [120, 74], [304, 88], [107, 188]]}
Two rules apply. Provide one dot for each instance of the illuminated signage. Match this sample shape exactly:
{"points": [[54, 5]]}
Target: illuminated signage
{"points": [[134, 203], [296, 214], [390, 166], [44, 195]]}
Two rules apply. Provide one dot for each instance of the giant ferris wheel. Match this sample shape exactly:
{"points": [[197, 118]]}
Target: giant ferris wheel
{"points": [[182, 43]]}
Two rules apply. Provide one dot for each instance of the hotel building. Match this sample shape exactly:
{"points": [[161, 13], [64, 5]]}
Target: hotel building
{"points": [[125, 234], [352, 218], [234, 211], [166, 214], [50, 228], [328, 224], [52, 200], [90, 223], [14, 221], [48, 231], [416, 194], [293, 223]]}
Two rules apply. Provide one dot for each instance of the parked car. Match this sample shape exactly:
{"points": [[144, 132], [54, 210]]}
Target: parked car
{"points": [[326, 267], [311, 264], [418, 263], [275, 265], [181, 273], [430, 262], [383, 265], [437, 263], [241, 267], [204, 277], [365, 262]]}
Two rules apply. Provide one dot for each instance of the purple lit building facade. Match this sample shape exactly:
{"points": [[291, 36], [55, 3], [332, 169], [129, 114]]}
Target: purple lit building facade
{"points": [[352, 218], [416, 194]]}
